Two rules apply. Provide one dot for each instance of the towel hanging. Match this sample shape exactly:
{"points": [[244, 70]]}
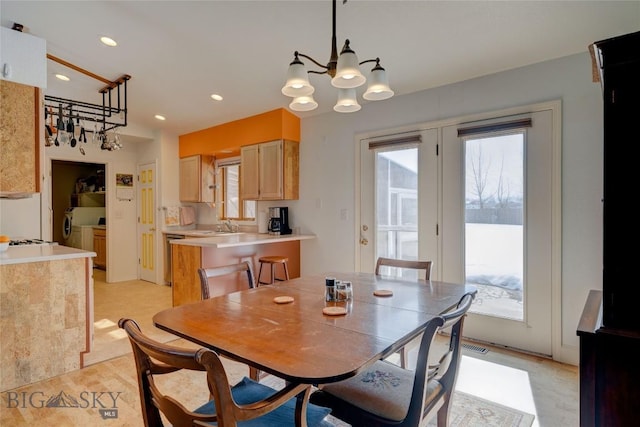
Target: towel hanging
{"points": [[172, 215], [187, 215]]}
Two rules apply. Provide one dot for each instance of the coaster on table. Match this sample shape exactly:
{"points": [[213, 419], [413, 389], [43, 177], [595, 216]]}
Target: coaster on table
{"points": [[334, 311], [283, 300], [383, 292]]}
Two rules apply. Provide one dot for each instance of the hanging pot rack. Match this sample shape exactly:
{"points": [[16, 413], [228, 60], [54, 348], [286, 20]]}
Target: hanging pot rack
{"points": [[110, 115]]}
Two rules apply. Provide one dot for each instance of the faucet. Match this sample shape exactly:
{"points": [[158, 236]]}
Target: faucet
{"points": [[230, 227]]}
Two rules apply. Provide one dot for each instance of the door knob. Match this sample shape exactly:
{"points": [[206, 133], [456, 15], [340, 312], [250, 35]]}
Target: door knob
{"points": [[363, 241]]}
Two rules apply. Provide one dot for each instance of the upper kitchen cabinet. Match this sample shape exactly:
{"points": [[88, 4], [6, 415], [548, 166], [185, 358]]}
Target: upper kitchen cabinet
{"points": [[270, 171], [23, 58], [197, 179], [19, 155]]}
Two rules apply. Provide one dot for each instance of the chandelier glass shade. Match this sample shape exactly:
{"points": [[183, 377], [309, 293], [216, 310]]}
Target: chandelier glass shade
{"points": [[345, 74]]}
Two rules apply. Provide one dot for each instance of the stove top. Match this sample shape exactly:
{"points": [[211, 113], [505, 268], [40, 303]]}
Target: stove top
{"points": [[28, 242]]}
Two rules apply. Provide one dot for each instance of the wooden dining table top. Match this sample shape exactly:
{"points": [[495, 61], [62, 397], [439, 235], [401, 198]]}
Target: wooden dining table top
{"points": [[296, 341]]}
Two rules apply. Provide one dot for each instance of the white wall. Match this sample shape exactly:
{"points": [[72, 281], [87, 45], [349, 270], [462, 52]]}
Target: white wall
{"points": [[327, 159]]}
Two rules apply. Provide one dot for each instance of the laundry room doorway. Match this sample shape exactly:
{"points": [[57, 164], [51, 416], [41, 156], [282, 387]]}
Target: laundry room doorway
{"points": [[78, 203]]}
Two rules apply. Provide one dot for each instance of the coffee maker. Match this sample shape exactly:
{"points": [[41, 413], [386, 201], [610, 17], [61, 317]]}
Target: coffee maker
{"points": [[279, 221]]}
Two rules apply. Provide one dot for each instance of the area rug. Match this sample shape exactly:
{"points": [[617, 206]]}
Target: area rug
{"points": [[471, 411], [466, 411]]}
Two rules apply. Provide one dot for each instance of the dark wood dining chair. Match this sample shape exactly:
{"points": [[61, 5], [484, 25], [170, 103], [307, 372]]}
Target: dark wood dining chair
{"points": [[405, 264], [385, 394], [205, 274], [247, 400]]}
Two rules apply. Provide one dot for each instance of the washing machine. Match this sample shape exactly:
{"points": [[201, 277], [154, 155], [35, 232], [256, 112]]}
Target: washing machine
{"points": [[79, 216]]}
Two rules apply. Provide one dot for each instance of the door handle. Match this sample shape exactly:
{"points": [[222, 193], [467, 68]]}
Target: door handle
{"points": [[152, 229], [363, 241]]}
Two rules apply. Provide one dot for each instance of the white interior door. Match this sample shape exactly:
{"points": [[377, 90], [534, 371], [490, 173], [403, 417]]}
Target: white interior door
{"points": [[398, 209], [147, 229]]}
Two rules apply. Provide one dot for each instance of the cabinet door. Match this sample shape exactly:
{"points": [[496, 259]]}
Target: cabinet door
{"points": [[197, 179], [189, 179], [24, 58], [207, 179], [100, 248], [249, 175], [271, 170], [18, 137]]}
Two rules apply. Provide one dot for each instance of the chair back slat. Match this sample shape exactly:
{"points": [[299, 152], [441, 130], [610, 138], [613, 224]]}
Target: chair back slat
{"points": [[402, 263]]}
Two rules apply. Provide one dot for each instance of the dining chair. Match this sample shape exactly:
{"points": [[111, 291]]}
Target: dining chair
{"points": [[405, 264], [248, 400], [205, 274], [207, 289], [385, 394]]}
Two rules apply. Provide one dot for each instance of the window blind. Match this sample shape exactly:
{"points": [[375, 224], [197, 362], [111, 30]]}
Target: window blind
{"points": [[494, 127], [395, 141]]}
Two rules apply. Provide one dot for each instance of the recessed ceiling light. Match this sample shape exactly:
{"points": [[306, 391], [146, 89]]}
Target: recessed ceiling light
{"points": [[63, 77], [216, 97], [159, 117], [108, 41]]}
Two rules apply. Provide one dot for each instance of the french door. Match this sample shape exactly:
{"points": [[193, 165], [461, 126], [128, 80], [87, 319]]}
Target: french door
{"points": [[399, 177], [476, 199]]}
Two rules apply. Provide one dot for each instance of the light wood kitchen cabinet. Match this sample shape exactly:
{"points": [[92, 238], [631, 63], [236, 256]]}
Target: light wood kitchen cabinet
{"points": [[100, 248], [270, 170], [19, 154], [197, 179]]}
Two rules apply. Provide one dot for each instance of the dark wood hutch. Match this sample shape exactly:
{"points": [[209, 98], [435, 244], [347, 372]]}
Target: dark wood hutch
{"points": [[609, 329]]}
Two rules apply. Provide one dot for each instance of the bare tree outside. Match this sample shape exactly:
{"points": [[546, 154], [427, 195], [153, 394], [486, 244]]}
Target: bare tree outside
{"points": [[480, 170]]}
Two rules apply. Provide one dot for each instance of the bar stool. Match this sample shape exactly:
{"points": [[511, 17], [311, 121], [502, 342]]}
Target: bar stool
{"points": [[273, 261]]}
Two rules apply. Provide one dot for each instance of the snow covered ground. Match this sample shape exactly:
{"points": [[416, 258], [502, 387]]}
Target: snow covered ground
{"points": [[494, 262]]}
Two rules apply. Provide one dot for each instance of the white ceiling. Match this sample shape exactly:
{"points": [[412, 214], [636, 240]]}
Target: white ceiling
{"points": [[180, 52]]}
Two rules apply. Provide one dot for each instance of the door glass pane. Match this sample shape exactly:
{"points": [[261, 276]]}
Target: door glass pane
{"points": [[397, 208], [494, 223]]}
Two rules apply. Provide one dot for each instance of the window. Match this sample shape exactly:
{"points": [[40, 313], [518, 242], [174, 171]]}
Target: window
{"points": [[231, 205]]}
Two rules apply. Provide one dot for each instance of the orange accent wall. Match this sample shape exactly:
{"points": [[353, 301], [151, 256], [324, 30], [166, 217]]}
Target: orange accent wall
{"points": [[269, 126]]}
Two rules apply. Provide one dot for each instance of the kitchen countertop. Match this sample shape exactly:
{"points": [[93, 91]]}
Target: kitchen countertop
{"points": [[200, 233], [38, 253], [240, 239]]}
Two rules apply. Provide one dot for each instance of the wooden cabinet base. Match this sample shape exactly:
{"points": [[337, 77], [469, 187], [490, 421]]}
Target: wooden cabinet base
{"points": [[187, 259], [609, 376]]}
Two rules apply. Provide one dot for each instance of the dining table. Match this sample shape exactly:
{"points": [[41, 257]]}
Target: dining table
{"points": [[283, 328]]}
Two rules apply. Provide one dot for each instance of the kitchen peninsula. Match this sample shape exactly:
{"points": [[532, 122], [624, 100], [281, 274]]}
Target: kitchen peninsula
{"points": [[46, 298], [189, 254]]}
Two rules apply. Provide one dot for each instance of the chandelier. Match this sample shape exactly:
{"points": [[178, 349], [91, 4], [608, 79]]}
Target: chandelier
{"points": [[345, 75]]}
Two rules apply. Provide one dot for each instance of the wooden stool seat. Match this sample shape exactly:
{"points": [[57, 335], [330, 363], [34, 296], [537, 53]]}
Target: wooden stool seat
{"points": [[273, 260]]}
